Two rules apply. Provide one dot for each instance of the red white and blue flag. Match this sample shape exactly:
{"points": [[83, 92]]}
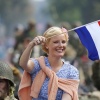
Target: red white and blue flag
{"points": [[89, 35]]}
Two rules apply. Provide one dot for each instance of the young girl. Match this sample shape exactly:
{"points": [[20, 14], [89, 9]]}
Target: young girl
{"points": [[61, 81]]}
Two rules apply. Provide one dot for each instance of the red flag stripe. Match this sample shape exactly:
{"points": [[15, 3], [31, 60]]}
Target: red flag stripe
{"points": [[99, 23]]}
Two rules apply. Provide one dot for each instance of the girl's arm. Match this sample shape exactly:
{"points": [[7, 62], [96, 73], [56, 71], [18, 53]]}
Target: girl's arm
{"points": [[25, 61]]}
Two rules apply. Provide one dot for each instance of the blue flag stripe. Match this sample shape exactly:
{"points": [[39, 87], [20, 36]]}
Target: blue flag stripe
{"points": [[87, 41]]}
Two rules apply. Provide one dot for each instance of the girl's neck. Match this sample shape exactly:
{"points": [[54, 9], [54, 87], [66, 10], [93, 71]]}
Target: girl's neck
{"points": [[55, 62]]}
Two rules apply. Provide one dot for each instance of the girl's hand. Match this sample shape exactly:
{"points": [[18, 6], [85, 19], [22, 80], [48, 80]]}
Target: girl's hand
{"points": [[39, 40]]}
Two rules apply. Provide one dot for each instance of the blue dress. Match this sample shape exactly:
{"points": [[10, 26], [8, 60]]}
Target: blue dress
{"points": [[67, 71]]}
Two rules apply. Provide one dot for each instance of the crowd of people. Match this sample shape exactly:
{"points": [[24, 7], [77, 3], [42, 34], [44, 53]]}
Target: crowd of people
{"points": [[52, 66]]}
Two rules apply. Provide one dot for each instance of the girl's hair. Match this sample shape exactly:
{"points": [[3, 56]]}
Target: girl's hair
{"points": [[51, 32]]}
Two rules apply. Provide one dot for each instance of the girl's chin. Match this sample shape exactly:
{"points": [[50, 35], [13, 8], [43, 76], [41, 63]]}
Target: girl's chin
{"points": [[60, 55]]}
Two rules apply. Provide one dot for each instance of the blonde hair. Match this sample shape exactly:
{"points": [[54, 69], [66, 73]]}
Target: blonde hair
{"points": [[51, 32]]}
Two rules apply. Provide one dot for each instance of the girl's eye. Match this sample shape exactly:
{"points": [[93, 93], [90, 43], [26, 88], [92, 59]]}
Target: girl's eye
{"points": [[59, 41], [64, 41], [55, 41]]}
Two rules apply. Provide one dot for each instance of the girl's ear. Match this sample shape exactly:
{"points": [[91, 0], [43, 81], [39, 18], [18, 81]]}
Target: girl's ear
{"points": [[46, 46]]}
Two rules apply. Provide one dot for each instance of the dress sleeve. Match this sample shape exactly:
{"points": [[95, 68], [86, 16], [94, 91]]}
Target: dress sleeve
{"points": [[73, 73], [36, 66]]}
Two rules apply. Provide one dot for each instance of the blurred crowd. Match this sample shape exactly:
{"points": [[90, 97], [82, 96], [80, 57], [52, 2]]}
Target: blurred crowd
{"points": [[76, 54]]}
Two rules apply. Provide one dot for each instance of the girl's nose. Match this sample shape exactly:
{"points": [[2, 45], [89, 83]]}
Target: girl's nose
{"points": [[60, 44]]}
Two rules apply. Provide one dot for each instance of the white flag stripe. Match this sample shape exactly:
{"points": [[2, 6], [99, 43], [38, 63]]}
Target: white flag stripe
{"points": [[94, 30]]}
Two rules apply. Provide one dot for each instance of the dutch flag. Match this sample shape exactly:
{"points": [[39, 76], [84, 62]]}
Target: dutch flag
{"points": [[89, 36]]}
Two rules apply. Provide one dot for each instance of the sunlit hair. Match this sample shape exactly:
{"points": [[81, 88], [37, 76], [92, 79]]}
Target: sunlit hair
{"points": [[51, 32]]}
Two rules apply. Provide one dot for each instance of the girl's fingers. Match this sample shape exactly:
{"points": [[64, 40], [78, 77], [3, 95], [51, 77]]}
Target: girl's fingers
{"points": [[39, 40]]}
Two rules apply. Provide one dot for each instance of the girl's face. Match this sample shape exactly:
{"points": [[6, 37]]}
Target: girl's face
{"points": [[57, 45]]}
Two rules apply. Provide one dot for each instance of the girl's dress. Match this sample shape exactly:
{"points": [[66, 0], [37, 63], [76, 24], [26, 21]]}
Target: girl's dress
{"points": [[67, 71]]}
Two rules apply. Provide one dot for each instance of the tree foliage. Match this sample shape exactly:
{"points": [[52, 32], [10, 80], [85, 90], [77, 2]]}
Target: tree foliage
{"points": [[73, 10], [14, 11]]}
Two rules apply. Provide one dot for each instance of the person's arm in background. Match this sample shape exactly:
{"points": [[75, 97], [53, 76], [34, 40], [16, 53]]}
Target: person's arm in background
{"points": [[66, 96]]}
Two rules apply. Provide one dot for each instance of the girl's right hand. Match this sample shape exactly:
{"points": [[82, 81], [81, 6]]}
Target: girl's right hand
{"points": [[39, 40]]}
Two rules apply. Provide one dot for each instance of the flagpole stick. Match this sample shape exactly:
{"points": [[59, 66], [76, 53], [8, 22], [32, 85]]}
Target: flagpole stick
{"points": [[75, 28], [71, 30], [81, 26]]}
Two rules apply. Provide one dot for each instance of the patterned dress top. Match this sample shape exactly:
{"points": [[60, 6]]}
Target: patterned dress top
{"points": [[67, 71]]}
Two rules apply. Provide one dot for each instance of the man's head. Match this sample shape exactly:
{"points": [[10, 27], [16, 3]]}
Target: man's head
{"points": [[3, 88], [6, 79]]}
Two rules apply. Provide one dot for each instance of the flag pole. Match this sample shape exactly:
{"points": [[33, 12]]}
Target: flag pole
{"points": [[75, 28], [81, 26]]}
